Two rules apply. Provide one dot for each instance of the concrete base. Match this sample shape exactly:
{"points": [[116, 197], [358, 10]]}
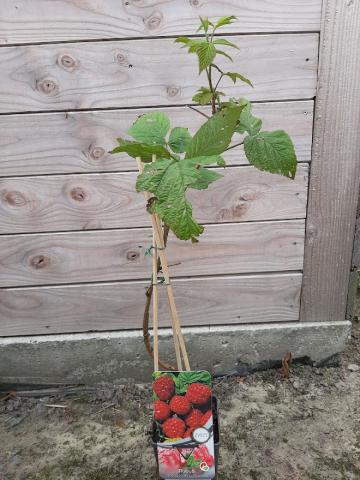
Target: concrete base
{"points": [[91, 358]]}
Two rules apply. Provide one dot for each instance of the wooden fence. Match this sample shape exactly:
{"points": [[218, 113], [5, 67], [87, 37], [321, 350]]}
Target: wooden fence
{"points": [[74, 233]]}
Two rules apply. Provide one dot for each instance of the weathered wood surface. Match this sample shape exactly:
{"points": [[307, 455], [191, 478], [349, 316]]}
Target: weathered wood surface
{"points": [[79, 141], [143, 73], [335, 171], [59, 258], [117, 306], [85, 202], [30, 21]]}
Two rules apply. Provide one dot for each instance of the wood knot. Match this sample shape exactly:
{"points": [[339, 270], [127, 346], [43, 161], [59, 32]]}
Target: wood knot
{"points": [[68, 62], [78, 194], [40, 261], [154, 21], [48, 86], [14, 198], [194, 3], [173, 91], [97, 152], [132, 255], [121, 59]]}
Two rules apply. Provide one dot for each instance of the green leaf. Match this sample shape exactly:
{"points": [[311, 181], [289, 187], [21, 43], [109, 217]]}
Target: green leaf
{"points": [[206, 177], [220, 52], [179, 139], [248, 123], [150, 128], [273, 152], [223, 41], [214, 136], [224, 21], [202, 96], [168, 180], [141, 150], [184, 379], [237, 76], [206, 54], [178, 216], [195, 44], [184, 40], [205, 23]]}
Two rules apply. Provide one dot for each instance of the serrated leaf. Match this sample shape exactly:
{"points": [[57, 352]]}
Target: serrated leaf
{"points": [[202, 96], [179, 139], [237, 76], [178, 216], [195, 44], [206, 54], [214, 136], [141, 150], [223, 41], [224, 21], [221, 52], [206, 177], [150, 128], [248, 123], [272, 152], [168, 180]]}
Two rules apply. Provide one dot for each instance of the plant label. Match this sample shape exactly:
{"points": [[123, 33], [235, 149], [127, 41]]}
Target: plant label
{"points": [[184, 425]]}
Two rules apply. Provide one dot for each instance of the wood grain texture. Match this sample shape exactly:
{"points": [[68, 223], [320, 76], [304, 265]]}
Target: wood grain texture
{"points": [[149, 72], [59, 258], [335, 171], [29, 21], [80, 140], [85, 202], [118, 306]]}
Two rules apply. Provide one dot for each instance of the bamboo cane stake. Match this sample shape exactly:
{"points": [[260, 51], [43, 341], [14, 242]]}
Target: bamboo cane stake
{"points": [[155, 306], [171, 298], [160, 245]]}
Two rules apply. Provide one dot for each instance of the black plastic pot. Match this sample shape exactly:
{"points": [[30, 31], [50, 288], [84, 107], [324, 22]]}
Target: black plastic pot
{"points": [[216, 437]]}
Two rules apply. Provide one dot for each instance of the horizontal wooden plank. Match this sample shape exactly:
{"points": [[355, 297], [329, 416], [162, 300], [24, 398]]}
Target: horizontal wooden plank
{"points": [[149, 72], [86, 202], [32, 21], [80, 140], [58, 258], [118, 306]]}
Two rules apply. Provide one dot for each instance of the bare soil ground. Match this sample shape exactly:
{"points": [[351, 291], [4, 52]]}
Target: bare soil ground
{"points": [[306, 427]]}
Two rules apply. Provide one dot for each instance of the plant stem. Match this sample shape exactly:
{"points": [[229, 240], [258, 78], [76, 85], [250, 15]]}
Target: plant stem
{"points": [[213, 99], [198, 111], [217, 84], [234, 146]]}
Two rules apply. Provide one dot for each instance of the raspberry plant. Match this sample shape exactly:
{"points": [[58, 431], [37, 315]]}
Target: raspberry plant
{"points": [[181, 160]]}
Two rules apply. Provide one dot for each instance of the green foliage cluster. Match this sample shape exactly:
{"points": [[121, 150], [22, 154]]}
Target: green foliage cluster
{"points": [[181, 160]]}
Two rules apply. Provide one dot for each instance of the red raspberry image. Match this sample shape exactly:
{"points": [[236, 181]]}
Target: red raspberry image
{"points": [[180, 405], [202, 453], [194, 419], [188, 432], [198, 393], [205, 418], [174, 428], [161, 410], [164, 387]]}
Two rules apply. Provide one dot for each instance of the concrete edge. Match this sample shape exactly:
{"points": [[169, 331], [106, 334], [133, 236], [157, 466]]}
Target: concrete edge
{"points": [[120, 356]]}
